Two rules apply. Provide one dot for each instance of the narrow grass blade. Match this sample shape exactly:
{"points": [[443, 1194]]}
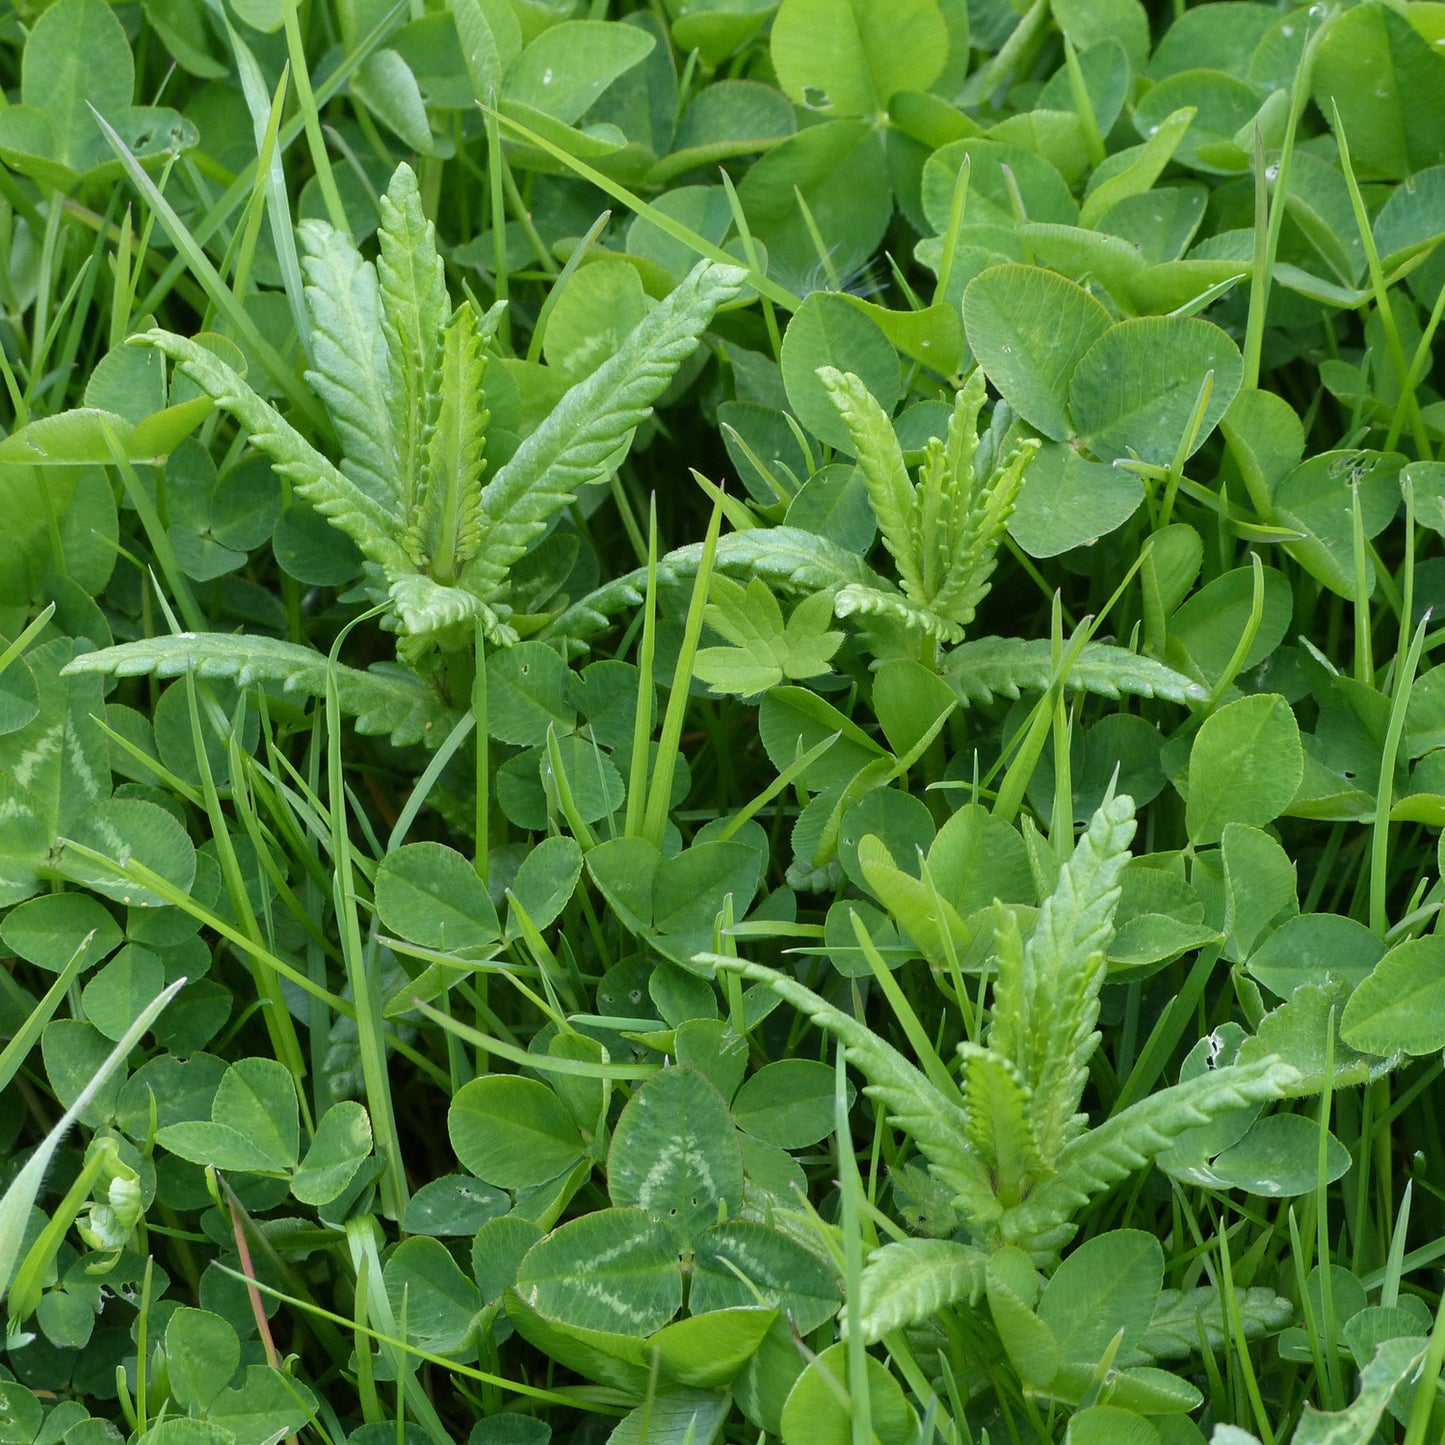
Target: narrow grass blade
{"points": [[28, 1034], [660, 791], [579, 254], [31, 632], [361, 965], [266, 123], [642, 718]]}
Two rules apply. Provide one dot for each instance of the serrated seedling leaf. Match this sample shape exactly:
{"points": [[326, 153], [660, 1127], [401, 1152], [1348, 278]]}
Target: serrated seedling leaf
{"points": [[910, 1280], [333, 643], [582, 438], [764, 649], [383, 699]]}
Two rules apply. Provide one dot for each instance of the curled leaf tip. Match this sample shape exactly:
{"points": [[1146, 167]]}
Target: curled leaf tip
{"points": [[723, 277]]}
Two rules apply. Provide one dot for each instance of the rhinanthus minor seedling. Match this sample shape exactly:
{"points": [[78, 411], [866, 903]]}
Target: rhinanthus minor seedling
{"points": [[403, 375], [1007, 1140]]}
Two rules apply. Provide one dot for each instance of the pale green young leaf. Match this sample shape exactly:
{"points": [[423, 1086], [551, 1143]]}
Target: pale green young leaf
{"points": [[1064, 966], [746, 616], [425, 607], [866, 600], [943, 532], [945, 489], [350, 373], [765, 650], [881, 458], [809, 622], [998, 1122], [414, 307], [932, 922], [383, 699], [970, 561], [788, 558], [908, 1281], [1011, 1003], [333, 494], [447, 528], [579, 440]]}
